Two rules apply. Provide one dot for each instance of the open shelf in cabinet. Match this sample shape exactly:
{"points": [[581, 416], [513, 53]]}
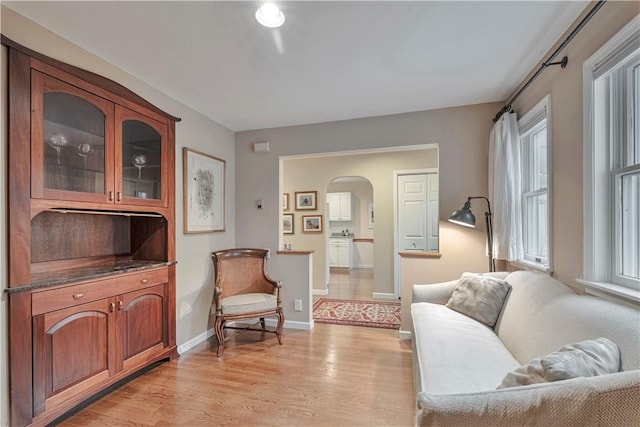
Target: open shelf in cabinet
{"points": [[71, 245]]}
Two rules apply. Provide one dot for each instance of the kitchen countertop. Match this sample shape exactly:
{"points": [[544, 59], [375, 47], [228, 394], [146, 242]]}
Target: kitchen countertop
{"points": [[341, 236]]}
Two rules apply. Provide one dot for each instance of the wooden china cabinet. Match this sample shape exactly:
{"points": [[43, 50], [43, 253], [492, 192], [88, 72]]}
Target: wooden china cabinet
{"points": [[91, 235]]}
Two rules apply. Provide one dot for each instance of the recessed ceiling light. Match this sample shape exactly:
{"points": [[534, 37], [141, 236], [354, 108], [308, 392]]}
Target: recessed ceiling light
{"points": [[270, 16]]}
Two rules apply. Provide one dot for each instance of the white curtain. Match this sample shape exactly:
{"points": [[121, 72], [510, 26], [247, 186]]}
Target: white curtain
{"points": [[505, 188]]}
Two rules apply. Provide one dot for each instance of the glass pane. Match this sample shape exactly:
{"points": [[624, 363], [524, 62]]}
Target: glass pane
{"points": [[536, 226], [539, 161], [74, 144], [141, 160], [631, 225]]}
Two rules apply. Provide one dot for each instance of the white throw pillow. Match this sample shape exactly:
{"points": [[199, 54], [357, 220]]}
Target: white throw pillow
{"points": [[479, 297], [584, 359]]}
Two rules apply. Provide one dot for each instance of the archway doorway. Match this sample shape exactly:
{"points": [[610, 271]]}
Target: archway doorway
{"points": [[349, 239]]}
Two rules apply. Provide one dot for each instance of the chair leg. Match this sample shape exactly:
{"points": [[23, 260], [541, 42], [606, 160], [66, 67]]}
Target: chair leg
{"points": [[279, 326], [262, 323], [219, 330]]}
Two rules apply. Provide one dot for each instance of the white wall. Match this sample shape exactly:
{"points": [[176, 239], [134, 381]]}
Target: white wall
{"points": [[194, 268]]}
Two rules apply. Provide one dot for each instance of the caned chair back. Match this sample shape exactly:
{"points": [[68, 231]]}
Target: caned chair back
{"points": [[242, 271]]}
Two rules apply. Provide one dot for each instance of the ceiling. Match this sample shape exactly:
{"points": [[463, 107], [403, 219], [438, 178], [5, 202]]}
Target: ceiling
{"points": [[329, 61]]}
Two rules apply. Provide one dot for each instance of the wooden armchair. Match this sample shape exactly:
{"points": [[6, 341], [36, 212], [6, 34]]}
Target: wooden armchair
{"points": [[244, 290]]}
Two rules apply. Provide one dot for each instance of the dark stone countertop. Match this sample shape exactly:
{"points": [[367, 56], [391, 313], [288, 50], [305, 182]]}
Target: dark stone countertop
{"points": [[61, 277]]}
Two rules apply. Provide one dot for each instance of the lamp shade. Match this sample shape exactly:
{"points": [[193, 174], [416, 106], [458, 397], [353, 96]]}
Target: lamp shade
{"points": [[464, 216]]}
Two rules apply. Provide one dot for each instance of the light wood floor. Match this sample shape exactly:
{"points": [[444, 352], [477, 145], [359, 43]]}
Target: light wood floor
{"points": [[356, 284], [330, 376]]}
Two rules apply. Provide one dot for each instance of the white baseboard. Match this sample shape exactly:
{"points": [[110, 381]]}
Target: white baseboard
{"points": [[321, 292], [183, 348], [380, 295], [289, 324], [404, 335]]}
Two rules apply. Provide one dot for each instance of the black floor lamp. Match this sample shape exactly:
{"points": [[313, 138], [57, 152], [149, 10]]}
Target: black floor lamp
{"points": [[466, 218]]}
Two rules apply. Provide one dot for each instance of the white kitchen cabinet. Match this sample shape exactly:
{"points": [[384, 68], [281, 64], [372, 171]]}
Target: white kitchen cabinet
{"points": [[339, 206], [341, 252]]}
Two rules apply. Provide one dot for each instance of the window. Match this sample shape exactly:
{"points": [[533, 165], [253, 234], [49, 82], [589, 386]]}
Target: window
{"points": [[534, 152], [612, 165]]}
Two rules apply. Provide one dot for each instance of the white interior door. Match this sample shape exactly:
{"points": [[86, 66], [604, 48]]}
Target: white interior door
{"points": [[413, 226], [416, 216]]}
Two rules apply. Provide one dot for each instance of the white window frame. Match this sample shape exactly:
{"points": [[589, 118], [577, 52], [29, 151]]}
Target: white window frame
{"points": [[601, 251], [528, 124]]}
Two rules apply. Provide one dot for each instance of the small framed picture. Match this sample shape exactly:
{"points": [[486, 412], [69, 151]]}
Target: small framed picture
{"points": [[306, 200], [285, 201], [287, 223], [312, 223]]}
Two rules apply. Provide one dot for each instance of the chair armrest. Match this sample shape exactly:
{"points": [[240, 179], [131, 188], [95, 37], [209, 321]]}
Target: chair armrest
{"points": [[437, 293], [276, 290], [217, 292], [272, 282], [571, 403]]}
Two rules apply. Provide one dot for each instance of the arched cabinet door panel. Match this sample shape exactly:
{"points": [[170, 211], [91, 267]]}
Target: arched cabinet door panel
{"points": [[142, 324], [72, 351]]}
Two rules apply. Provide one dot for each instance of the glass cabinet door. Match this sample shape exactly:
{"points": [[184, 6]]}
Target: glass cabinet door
{"points": [[141, 158], [71, 140]]}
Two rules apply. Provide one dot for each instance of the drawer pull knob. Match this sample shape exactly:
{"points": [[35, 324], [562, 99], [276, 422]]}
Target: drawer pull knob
{"points": [[120, 305], [78, 295], [112, 307], [144, 281]]}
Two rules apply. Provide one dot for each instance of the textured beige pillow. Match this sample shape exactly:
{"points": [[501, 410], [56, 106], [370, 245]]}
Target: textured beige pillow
{"points": [[584, 359], [479, 297]]}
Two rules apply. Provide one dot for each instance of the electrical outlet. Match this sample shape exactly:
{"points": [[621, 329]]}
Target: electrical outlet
{"points": [[298, 305]]}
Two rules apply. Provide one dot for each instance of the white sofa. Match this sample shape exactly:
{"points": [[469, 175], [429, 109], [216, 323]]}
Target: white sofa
{"points": [[459, 362]]}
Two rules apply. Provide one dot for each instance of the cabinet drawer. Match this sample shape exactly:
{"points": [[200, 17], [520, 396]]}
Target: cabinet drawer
{"points": [[56, 299], [143, 279]]}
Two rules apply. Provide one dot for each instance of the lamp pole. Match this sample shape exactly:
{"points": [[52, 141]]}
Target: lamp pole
{"points": [[489, 225], [466, 218]]}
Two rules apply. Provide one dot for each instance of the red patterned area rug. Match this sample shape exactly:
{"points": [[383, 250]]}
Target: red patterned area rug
{"points": [[374, 314]]}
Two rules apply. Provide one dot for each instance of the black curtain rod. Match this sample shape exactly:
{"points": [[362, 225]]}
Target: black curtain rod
{"points": [[547, 63]]}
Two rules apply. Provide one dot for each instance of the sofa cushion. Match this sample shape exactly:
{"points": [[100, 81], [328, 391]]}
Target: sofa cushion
{"points": [[479, 297], [454, 353], [542, 314], [584, 359]]}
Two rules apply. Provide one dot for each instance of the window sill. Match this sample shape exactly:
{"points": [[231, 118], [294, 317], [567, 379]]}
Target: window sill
{"points": [[610, 290], [531, 266]]}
